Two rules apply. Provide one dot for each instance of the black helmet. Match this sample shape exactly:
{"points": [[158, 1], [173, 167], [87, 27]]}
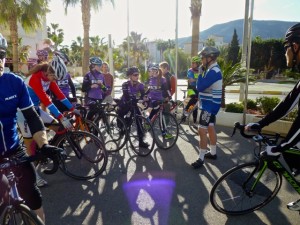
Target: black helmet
{"points": [[132, 70], [209, 51], [293, 34]]}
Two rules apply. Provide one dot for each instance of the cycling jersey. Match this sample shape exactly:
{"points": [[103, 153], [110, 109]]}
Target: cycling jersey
{"points": [[282, 109], [132, 91], [13, 95], [90, 79], [66, 86], [209, 85], [192, 74], [157, 91], [38, 84]]}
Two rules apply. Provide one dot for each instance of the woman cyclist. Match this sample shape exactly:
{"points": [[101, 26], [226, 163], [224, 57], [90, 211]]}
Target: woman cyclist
{"points": [[133, 90], [158, 91], [14, 95], [94, 83]]}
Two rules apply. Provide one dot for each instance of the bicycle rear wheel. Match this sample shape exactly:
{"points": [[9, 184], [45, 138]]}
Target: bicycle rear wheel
{"points": [[238, 191], [178, 112], [20, 214], [113, 130], [141, 127], [166, 130], [86, 155]]}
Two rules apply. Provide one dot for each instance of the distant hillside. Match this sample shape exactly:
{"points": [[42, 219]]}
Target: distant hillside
{"points": [[266, 29]]}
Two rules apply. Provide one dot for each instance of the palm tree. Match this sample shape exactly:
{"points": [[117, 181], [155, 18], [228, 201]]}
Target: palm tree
{"points": [[98, 47], [86, 6], [231, 74], [30, 14], [195, 9], [56, 34]]}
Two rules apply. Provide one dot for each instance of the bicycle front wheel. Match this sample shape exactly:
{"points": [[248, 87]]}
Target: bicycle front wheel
{"points": [[239, 191], [165, 128], [20, 214], [86, 155], [141, 137], [113, 130]]}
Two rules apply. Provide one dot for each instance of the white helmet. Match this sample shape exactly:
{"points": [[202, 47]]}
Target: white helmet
{"points": [[3, 43], [59, 67]]}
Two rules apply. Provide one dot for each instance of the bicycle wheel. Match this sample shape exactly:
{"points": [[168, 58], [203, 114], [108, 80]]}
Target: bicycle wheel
{"points": [[192, 119], [20, 214], [86, 155], [178, 112], [239, 192], [166, 130], [113, 130], [141, 127]]}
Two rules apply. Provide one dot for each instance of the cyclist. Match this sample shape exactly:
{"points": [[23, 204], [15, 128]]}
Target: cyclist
{"points": [[209, 86], [94, 83], [41, 80], [108, 78], [133, 90], [170, 78], [192, 91], [14, 95], [157, 91], [292, 54], [66, 85]]}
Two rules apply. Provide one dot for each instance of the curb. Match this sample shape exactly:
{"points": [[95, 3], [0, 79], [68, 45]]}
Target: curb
{"points": [[260, 92]]}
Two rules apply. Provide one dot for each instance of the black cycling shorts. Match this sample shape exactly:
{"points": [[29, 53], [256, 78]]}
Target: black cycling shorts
{"points": [[206, 119]]}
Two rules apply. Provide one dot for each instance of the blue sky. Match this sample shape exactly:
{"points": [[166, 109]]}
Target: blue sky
{"points": [[155, 19]]}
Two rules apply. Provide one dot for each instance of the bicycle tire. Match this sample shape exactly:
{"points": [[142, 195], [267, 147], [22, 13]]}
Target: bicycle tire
{"points": [[113, 130], [178, 112], [191, 121], [86, 155], [170, 126], [20, 214], [148, 135], [230, 194]]}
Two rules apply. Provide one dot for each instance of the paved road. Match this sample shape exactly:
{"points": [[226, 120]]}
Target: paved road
{"points": [[159, 189]]}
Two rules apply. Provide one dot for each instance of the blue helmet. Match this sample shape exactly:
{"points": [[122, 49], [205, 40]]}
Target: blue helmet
{"points": [[96, 61]]}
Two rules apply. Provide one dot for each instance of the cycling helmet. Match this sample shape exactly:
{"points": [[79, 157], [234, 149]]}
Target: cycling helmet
{"points": [[63, 56], [153, 66], [59, 67], [132, 70], [42, 52], [3, 42], [196, 59], [293, 34], [209, 52], [96, 61]]}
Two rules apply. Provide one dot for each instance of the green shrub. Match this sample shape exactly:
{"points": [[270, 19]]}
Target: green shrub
{"points": [[251, 104], [267, 104], [292, 115], [234, 107]]}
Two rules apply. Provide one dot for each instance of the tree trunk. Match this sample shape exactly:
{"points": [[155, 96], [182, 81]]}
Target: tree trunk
{"points": [[86, 21], [195, 9], [13, 26], [223, 97]]}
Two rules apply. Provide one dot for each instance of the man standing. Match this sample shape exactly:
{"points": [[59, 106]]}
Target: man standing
{"points": [[108, 78], [209, 86]]}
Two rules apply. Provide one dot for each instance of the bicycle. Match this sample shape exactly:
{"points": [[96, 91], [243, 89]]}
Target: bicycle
{"points": [[178, 108], [252, 185], [86, 156], [12, 207], [107, 123], [165, 127], [138, 129]]}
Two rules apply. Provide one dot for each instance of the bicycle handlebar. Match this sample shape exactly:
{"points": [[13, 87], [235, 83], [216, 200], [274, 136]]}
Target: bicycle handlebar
{"points": [[241, 127]]}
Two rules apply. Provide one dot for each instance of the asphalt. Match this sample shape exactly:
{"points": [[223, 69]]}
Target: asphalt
{"points": [[160, 189]]}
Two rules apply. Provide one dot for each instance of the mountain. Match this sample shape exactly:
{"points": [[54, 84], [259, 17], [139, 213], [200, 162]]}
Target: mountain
{"points": [[266, 29]]}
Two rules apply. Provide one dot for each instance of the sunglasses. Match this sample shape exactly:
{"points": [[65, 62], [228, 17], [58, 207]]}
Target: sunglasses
{"points": [[135, 74], [287, 46], [2, 54]]}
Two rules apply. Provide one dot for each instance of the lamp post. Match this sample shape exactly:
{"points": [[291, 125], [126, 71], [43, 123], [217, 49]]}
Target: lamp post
{"points": [[128, 46]]}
